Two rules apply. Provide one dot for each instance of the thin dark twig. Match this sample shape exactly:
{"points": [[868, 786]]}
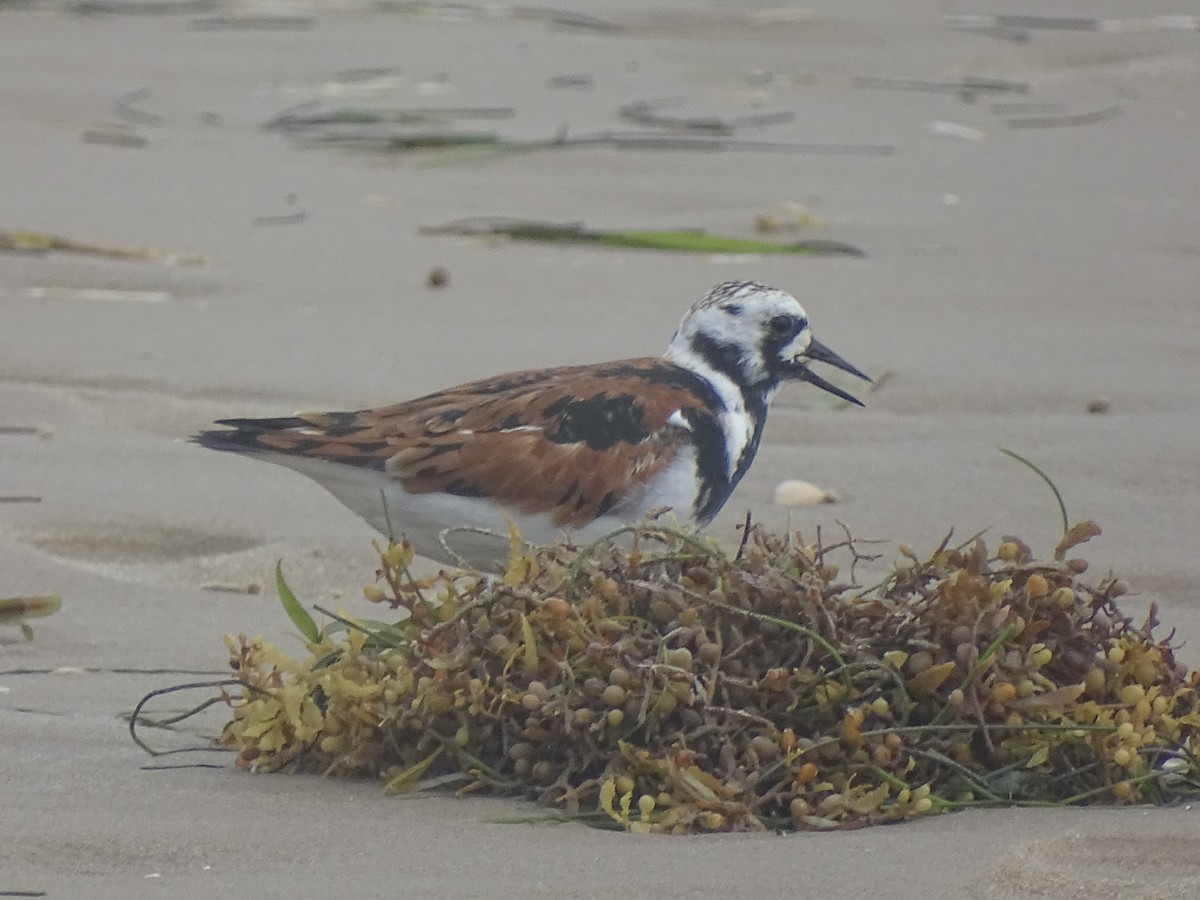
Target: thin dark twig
{"points": [[737, 557], [118, 670], [136, 715], [184, 765]]}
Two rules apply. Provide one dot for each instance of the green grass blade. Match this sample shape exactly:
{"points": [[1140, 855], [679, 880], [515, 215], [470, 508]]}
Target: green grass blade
{"points": [[671, 240], [1062, 507], [297, 613], [387, 518], [700, 242]]}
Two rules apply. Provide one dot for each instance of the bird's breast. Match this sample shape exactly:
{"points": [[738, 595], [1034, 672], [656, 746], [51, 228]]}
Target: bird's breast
{"points": [[676, 485]]}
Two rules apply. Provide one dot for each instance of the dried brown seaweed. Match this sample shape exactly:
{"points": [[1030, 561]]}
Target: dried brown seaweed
{"points": [[15, 610], [660, 684]]}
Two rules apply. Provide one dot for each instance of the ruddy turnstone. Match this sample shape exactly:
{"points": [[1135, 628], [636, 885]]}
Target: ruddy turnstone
{"points": [[577, 450]]}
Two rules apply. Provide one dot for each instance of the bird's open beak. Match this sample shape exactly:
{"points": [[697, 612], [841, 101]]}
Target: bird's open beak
{"points": [[818, 352]]}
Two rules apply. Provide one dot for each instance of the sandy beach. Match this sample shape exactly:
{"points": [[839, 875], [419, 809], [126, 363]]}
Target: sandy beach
{"points": [[1025, 191]]}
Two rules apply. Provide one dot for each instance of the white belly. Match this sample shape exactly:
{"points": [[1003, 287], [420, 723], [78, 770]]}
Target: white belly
{"points": [[423, 518]]}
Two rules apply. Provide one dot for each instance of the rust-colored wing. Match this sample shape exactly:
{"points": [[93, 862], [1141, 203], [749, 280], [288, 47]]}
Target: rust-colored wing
{"points": [[575, 442]]}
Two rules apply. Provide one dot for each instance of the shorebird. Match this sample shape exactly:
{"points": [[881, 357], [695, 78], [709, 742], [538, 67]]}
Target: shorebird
{"points": [[575, 451]]}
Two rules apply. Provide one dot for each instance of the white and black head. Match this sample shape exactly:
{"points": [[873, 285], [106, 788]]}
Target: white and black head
{"points": [[757, 336]]}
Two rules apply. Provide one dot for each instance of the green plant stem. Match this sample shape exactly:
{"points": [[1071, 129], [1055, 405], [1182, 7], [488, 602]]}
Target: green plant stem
{"points": [[1062, 507], [976, 669]]}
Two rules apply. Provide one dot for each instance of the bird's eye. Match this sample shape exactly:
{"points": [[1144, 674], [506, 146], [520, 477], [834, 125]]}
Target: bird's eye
{"points": [[786, 326]]}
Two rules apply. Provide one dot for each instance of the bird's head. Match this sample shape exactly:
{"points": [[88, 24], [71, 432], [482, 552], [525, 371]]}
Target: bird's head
{"points": [[757, 336]]}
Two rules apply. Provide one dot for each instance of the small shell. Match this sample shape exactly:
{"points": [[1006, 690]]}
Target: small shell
{"points": [[794, 493]]}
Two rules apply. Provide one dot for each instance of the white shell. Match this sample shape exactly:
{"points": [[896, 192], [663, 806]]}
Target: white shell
{"points": [[794, 493]]}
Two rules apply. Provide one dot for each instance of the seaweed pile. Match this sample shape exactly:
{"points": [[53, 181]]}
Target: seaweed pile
{"points": [[652, 682]]}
